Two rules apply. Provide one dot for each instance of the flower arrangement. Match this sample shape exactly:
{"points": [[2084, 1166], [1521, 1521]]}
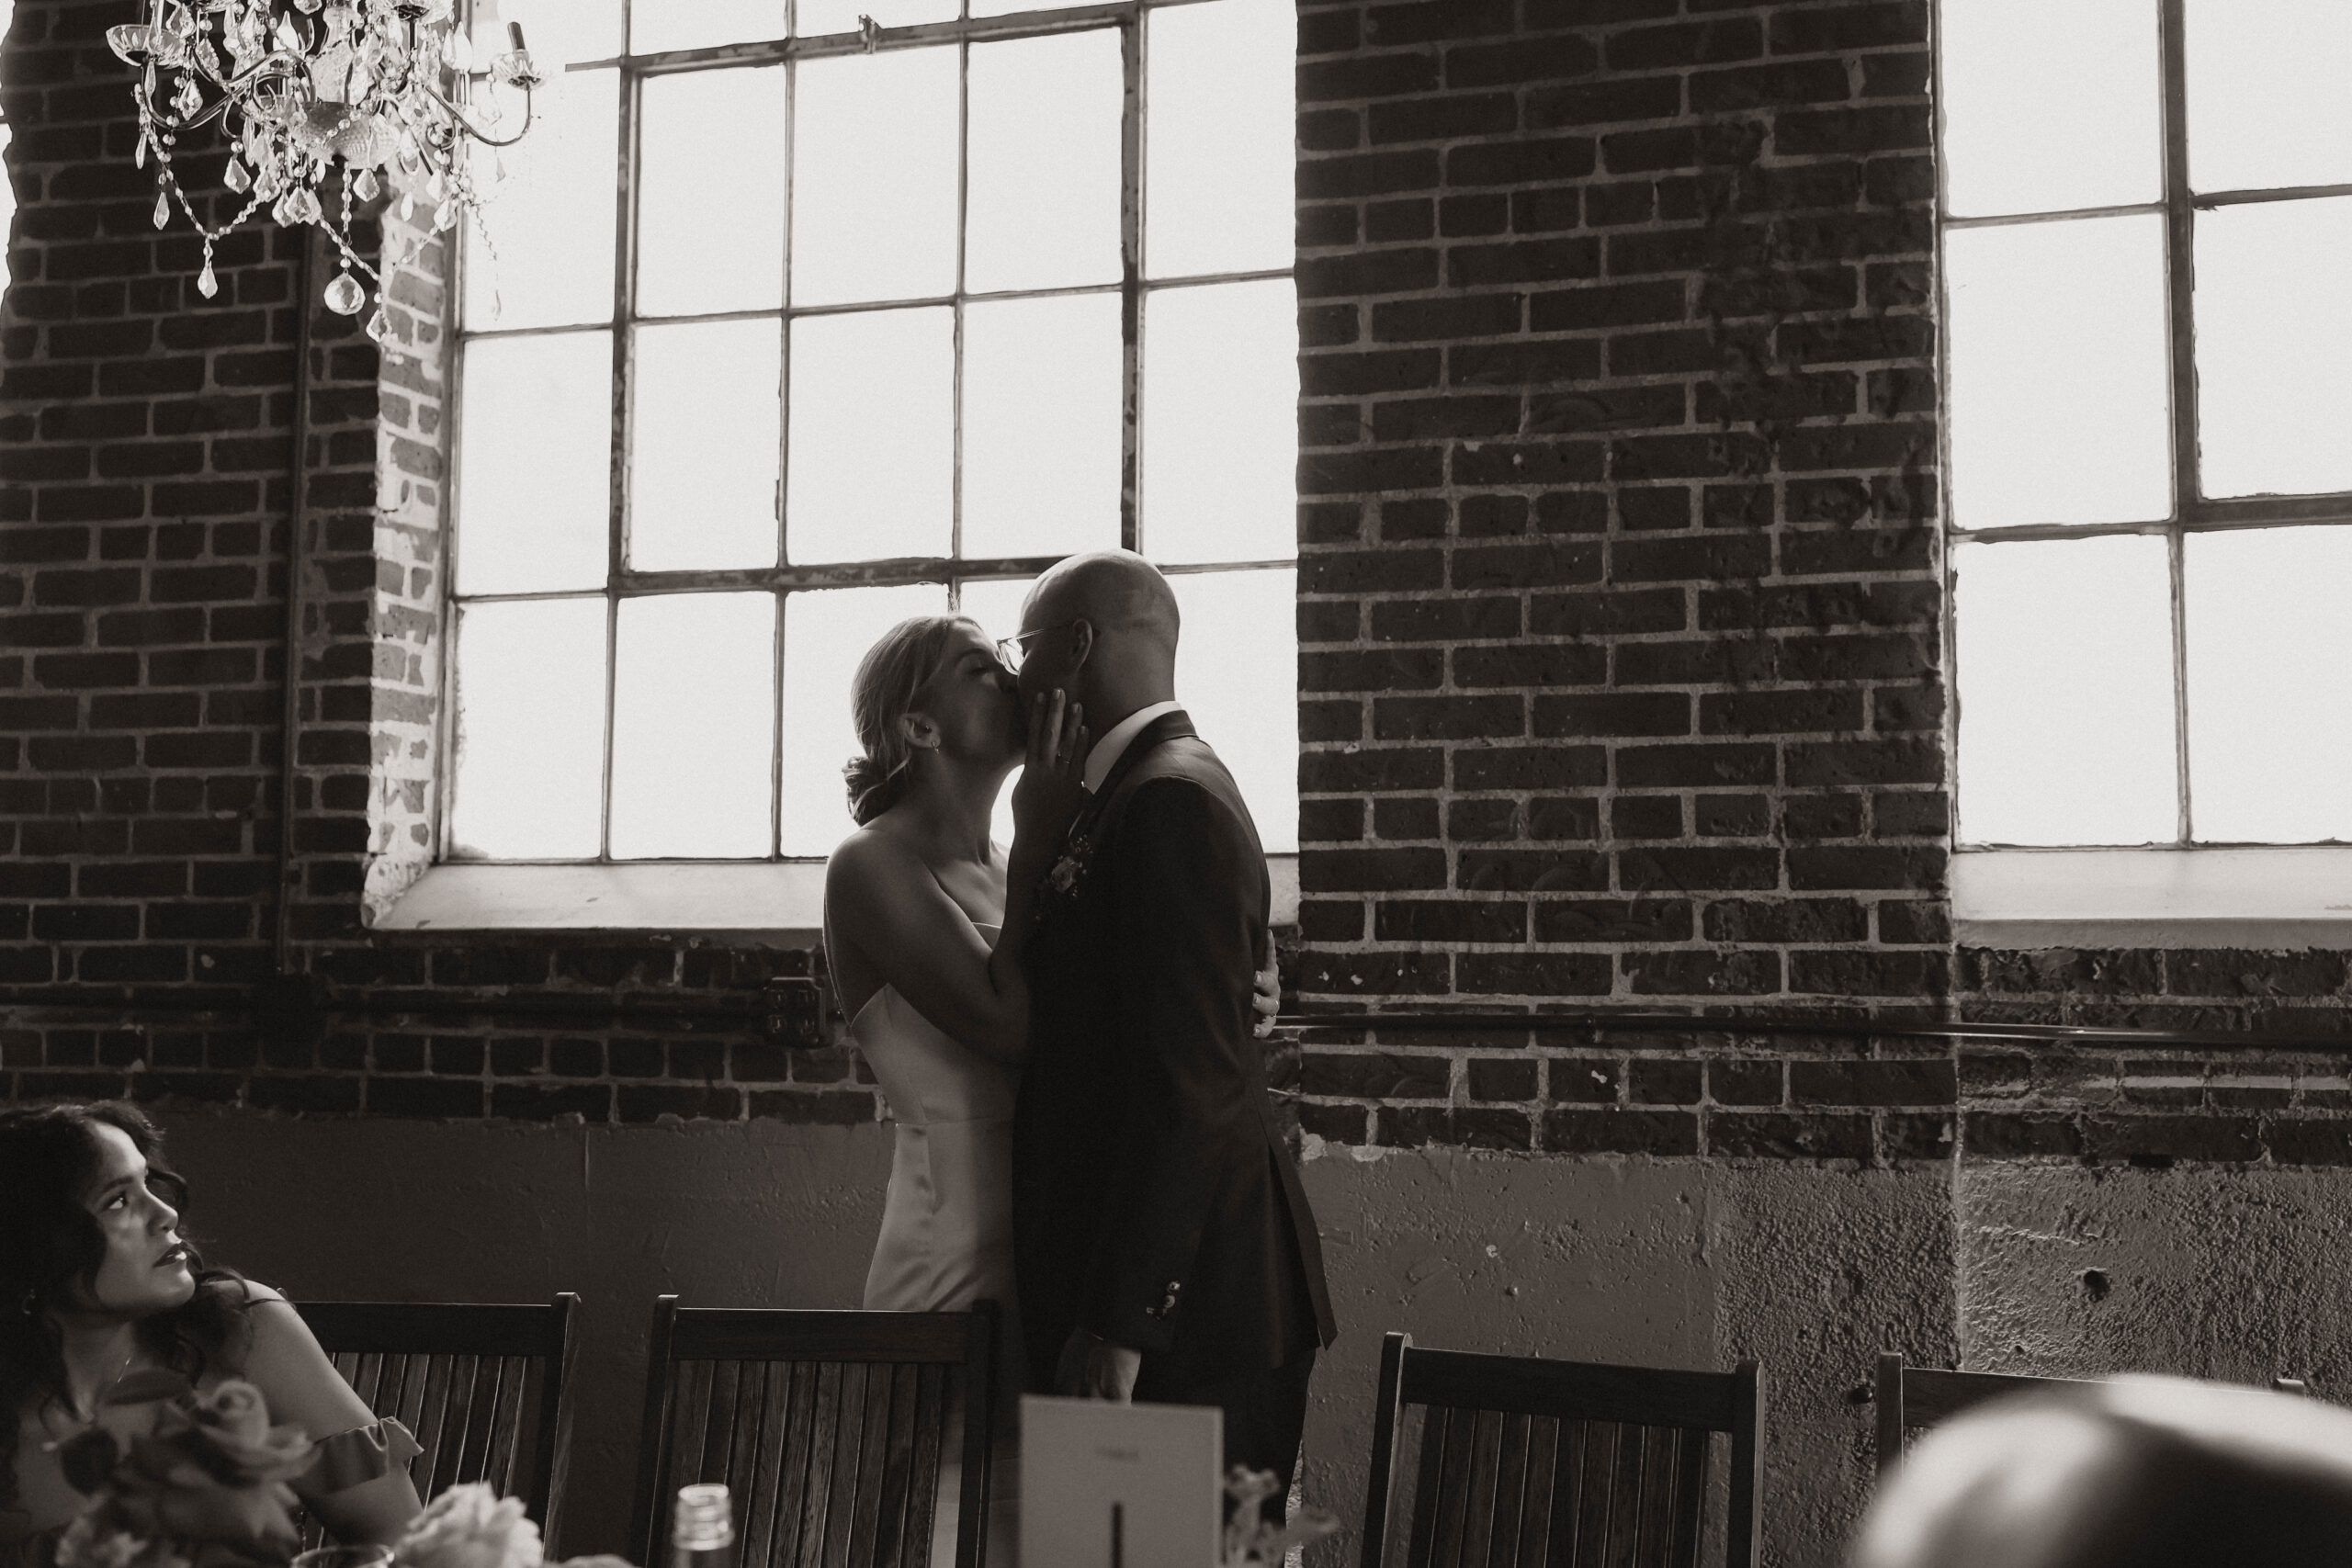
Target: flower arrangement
{"points": [[207, 1489], [471, 1525], [1252, 1541]]}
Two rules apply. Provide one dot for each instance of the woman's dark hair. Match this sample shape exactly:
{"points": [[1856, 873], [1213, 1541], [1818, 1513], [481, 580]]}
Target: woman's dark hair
{"points": [[51, 1247], [883, 692]]}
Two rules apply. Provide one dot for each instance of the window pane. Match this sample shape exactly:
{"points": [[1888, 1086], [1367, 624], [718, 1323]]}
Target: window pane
{"points": [[1236, 672], [816, 18], [1218, 137], [655, 25], [2270, 685], [1044, 183], [694, 719], [2058, 372], [535, 437], [702, 431], [872, 472], [2274, 348], [559, 32], [873, 176], [996, 603], [2050, 107], [2267, 105], [1040, 425], [2065, 692], [1220, 423], [530, 740], [549, 257], [710, 192], [825, 633]]}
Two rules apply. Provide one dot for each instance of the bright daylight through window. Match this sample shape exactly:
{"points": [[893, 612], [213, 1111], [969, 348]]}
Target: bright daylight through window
{"points": [[865, 334], [2149, 378]]}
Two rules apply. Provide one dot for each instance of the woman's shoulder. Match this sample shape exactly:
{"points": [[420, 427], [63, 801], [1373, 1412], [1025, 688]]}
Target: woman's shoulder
{"points": [[875, 864]]}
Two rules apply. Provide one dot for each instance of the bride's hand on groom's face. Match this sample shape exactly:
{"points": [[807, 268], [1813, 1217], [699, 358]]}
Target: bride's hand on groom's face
{"points": [[1053, 771]]}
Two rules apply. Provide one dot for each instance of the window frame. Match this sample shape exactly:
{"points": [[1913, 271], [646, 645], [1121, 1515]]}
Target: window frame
{"points": [[783, 579], [2191, 512]]}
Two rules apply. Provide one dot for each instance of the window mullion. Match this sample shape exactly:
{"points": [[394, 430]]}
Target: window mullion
{"points": [[783, 453], [956, 329], [1131, 282], [616, 536], [2180, 275]]}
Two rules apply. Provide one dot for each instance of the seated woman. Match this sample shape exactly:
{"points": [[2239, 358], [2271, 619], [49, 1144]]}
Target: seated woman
{"points": [[96, 1282]]}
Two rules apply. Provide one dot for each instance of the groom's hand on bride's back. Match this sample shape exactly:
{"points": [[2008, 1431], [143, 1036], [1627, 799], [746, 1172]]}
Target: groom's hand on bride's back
{"points": [[1266, 999], [1093, 1368]]}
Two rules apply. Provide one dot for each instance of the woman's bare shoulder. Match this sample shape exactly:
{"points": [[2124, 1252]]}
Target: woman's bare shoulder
{"points": [[874, 862]]}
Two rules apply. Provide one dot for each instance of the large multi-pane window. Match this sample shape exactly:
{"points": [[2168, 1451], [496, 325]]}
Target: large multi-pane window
{"points": [[786, 327], [2149, 375]]}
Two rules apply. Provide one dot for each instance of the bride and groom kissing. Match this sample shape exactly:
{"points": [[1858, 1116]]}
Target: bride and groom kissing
{"points": [[1069, 1033]]}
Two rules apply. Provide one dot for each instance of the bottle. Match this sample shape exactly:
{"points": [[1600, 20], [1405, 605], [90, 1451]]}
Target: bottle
{"points": [[702, 1528]]}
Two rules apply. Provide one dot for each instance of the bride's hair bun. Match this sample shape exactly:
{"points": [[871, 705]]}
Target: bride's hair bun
{"points": [[883, 692]]}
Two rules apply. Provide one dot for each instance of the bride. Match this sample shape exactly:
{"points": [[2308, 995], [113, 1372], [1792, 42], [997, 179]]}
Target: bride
{"points": [[924, 919]]}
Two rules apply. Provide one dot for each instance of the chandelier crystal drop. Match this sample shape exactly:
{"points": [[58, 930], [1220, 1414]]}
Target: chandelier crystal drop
{"points": [[382, 88]]}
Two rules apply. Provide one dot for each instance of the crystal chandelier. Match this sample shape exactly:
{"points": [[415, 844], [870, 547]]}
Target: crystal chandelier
{"points": [[303, 85]]}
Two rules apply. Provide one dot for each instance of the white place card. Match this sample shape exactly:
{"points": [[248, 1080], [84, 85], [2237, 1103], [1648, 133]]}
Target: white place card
{"points": [[1107, 1486]]}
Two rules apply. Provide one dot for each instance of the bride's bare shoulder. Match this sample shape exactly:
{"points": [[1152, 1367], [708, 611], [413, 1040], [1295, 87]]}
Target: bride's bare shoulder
{"points": [[874, 862]]}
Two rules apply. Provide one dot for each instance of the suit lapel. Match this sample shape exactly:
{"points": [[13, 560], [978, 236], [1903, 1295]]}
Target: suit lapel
{"points": [[1166, 727]]}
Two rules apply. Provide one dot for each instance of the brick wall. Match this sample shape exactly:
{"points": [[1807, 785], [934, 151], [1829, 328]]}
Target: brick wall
{"points": [[1620, 589], [1621, 667]]}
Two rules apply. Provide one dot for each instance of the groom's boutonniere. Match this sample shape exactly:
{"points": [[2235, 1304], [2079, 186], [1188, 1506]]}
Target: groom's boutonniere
{"points": [[1070, 867]]}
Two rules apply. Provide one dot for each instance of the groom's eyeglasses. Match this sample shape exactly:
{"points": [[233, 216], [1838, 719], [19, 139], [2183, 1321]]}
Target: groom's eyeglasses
{"points": [[1014, 649]]}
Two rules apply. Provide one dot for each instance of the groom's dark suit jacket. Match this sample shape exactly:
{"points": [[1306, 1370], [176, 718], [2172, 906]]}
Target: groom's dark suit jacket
{"points": [[1155, 1200]]}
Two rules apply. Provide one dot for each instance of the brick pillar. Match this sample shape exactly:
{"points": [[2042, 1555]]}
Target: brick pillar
{"points": [[1621, 667]]}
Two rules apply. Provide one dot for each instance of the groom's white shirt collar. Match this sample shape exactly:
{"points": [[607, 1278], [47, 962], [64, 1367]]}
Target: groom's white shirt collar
{"points": [[1106, 752]]}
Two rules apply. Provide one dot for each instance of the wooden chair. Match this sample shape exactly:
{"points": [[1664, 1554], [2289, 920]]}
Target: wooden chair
{"points": [[828, 1428], [1530, 1464], [1910, 1399], [482, 1387]]}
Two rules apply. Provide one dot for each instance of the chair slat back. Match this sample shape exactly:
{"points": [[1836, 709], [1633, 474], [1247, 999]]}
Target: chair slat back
{"points": [[1532, 1464], [830, 1429], [1910, 1399], [482, 1385]]}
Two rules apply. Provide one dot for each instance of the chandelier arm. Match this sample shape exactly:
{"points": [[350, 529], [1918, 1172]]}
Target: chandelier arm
{"points": [[457, 115], [278, 62]]}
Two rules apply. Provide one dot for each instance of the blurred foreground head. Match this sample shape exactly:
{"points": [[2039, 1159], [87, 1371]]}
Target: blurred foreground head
{"points": [[2142, 1473]]}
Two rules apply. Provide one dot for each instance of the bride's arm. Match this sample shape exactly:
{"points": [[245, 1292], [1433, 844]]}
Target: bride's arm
{"points": [[883, 903]]}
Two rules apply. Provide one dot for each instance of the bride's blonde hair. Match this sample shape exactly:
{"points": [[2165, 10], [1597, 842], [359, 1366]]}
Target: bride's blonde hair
{"points": [[882, 692]]}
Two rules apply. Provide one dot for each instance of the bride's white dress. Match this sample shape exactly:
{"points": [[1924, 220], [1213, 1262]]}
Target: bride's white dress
{"points": [[946, 1238]]}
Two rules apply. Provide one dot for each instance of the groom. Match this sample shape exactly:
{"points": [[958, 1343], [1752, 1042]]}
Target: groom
{"points": [[1163, 1244]]}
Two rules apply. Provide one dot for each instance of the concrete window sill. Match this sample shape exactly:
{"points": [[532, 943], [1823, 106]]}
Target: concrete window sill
{"points": [[2285, 897], [781, 902]]}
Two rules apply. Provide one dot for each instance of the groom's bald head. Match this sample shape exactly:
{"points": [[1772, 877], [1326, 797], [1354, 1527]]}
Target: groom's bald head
{"points": [[1117, 590], [1126, 657]]}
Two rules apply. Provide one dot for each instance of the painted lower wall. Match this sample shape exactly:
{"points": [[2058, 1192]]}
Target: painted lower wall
{"points": [[1810, 1269]]}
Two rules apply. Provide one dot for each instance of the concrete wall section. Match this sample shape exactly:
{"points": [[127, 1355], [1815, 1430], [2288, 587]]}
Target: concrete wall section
{"points": [[2245, 1275]]}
